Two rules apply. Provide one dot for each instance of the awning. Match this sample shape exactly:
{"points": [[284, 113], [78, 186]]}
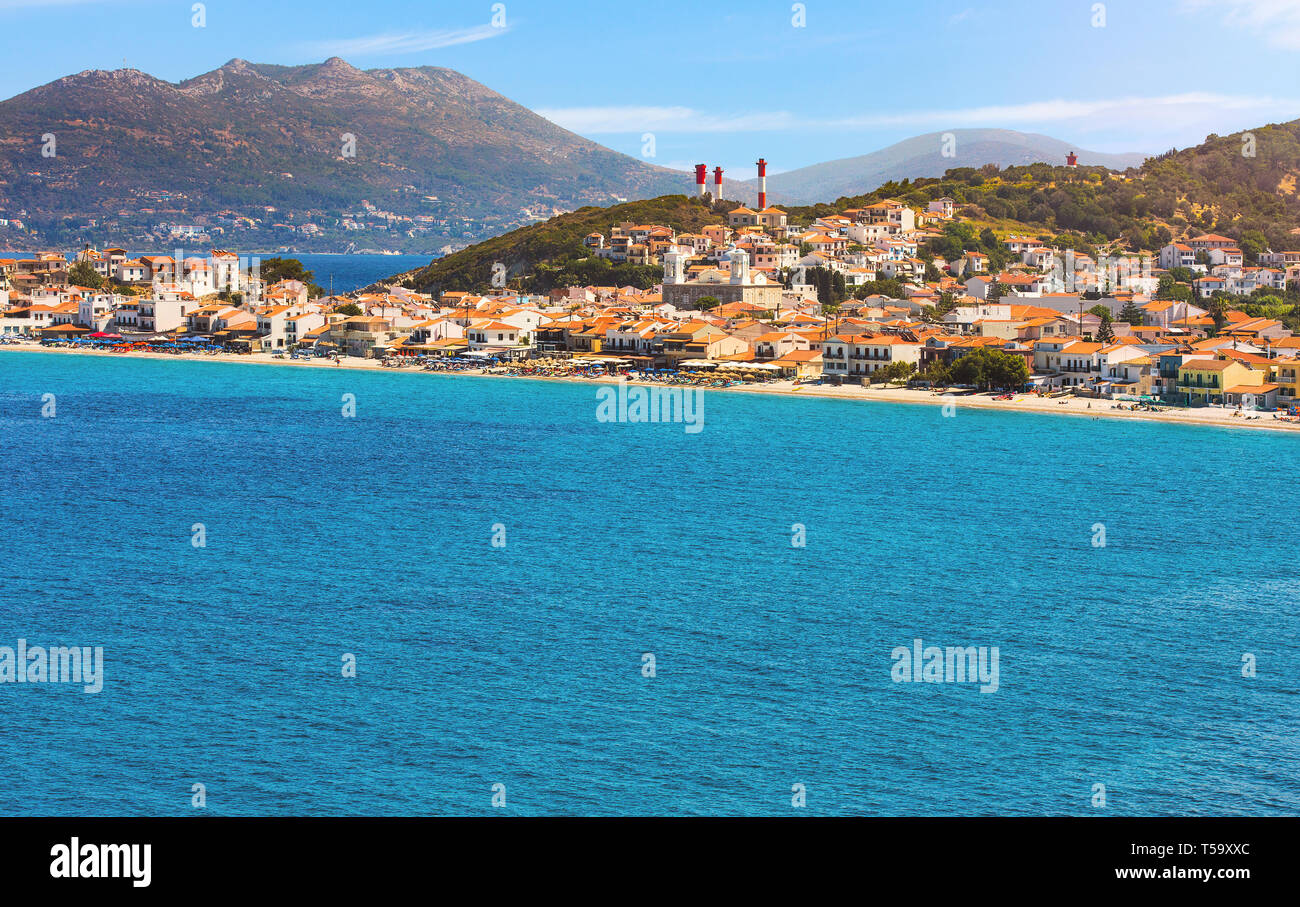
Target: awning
{"points": [[751, 366]]}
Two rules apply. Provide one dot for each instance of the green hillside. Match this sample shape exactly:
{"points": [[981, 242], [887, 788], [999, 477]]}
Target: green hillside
{"points": [[541, 256], [1212, 187]]}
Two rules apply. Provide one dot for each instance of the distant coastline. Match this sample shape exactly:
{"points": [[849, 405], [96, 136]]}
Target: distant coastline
{"points": [[351, 271]]}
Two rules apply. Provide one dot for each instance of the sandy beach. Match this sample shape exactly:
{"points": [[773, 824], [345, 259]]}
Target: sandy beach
{"points": [[1073, 406]]}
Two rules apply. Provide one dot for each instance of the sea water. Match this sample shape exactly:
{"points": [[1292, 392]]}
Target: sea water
{"points": [[562, 615]]}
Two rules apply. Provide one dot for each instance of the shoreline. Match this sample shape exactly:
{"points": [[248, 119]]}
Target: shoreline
{"points": [[1071, 406]]}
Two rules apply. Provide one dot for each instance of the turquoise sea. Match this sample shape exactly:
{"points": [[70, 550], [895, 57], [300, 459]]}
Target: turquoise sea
{"points": [[352, 272], [1120, 665]]}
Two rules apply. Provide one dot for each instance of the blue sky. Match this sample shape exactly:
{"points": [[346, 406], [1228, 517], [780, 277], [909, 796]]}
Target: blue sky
{"points": [[726, 82]]}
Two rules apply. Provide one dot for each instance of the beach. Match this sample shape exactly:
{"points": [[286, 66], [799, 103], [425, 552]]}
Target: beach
{"points": [[1072, 406]]}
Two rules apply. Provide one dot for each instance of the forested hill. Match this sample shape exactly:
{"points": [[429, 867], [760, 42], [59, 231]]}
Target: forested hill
{"points": [[552, 254], [1212, 187], [1218, 186]]}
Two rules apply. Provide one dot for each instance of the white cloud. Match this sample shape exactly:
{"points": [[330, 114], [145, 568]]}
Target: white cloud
{"points": [[1110, 112], [403, 42], [1278, 21]]}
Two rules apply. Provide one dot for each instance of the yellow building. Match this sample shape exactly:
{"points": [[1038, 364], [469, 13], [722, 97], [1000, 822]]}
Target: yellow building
{"points": [[1286, 374], [1205, 381]]}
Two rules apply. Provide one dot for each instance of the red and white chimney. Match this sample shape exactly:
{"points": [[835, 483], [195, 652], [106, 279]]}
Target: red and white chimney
{"points": [[762, 184], [717, 184], [701, 177]]}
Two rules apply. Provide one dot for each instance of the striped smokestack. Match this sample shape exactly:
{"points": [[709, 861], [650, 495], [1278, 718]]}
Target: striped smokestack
{"points": [[762, 184], [717, 184], [701, 177]]}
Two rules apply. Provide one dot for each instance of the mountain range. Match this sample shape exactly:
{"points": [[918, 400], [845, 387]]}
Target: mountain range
{"points": [[324, 156], [923, 156], [272, 142]]}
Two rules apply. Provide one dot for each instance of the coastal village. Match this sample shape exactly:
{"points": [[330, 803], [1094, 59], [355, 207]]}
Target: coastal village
{"points": [[753, 297]]}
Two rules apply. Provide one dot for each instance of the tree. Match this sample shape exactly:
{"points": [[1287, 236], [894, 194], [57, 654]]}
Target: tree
{"points": [[1168, 288], [83, 274], [1217, 307], [1008, 370], [274, 270], [987, 368], [895, 371], [829, 284], [1131, 313], [937, 374], [947, 302], [706, 303], [1105, 333], [350, 309], [890, 287], [1252, 243]]}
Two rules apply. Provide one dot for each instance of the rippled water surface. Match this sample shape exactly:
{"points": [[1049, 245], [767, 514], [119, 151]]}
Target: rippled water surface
{"points": [[522, 665]]}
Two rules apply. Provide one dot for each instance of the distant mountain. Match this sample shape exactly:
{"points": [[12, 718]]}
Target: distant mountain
{"points": [[1208, 188], [923, 156], [428, 142]]}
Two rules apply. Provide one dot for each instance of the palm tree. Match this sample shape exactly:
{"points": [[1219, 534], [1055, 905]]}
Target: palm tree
{"points": [[1218, 310]]}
